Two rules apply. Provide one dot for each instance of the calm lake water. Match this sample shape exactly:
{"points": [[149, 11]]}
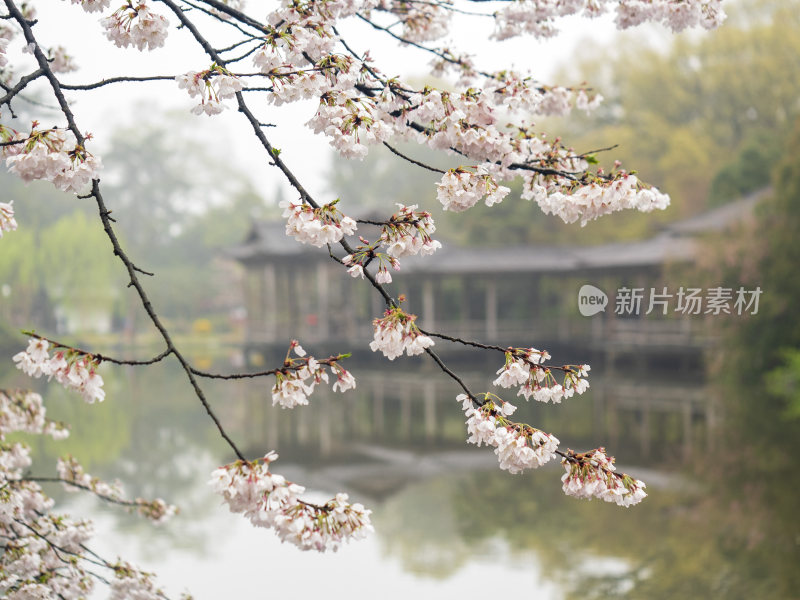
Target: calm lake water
{"points": [[449, 523]]}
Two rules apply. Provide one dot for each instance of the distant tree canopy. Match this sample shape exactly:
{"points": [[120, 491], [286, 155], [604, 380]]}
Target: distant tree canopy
{"points": [[61, 258], [709, 114]]}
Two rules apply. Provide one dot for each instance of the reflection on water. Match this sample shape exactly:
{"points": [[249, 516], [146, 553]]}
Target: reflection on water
{"points": [[449, 523]]}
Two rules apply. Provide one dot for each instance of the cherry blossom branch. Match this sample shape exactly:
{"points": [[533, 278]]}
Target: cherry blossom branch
{"points": [[494, 347], [458, 340], [110, 80], [250, 52], [262, 138], [443, 54], [21, 84], [101, 357], [104, 497], [119, 569], [445, 6], [449, 372], [238, 44], [217, 17], [104, 217], [277, 161], [232, 12], [285, 368], [475, 137], [58, 548]]}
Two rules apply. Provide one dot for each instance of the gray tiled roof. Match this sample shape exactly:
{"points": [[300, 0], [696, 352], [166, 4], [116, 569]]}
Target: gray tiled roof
{"points": [[675, 243]]}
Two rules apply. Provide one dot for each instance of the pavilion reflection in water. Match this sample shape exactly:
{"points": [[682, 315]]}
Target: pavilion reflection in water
{"points": [[647, 400], [399, 425]]}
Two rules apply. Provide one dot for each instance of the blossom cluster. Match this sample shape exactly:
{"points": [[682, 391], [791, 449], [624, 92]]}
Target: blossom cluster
{"points": [[51, 155], [460, 189], [423, 22], [295, 382], [408, 232], [211, 86], [316, 226], [7, 220], [351, 124], [538, 18], [524, 367], [587, 202], [72, 369], [72, 473], [91, 6], [22, 410], [593, 475], [517, 446], [3, 45], [133, 24], [269, 500], [363, 255], [45, 553], [396, 332], [131, 582], [60, 61]]}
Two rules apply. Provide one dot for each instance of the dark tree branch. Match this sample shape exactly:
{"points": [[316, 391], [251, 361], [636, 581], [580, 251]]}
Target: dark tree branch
{"points": [[104, 217], [110, 80], [21, 84], [411, 160]]}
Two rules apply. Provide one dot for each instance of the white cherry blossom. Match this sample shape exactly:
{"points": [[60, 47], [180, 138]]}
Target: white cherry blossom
{"points": [[517, 446], [408, 232], [396, 332], [91, 6], [212, 86], [593, 475], [7, 220], [296, 381], [316, 226], [134, 24], [72, 369], [269, 500]]}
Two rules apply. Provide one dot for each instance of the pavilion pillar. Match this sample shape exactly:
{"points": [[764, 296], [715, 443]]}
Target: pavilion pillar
{"points": [[535, 306], [464, 301], [612, 413], [323, 293], [687, 428], [301, 426], [325, 435], [490, 317], [376, 306], [304, 299], [405, 413], [286, 304], [645, 427], [598, 393], [429, 395], [273, 430], [377, 407], [251, 305], [269, 303], [428, 306]]}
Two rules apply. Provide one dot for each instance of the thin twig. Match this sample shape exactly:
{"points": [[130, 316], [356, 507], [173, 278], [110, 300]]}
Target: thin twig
{"points": [[411, 160]]}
